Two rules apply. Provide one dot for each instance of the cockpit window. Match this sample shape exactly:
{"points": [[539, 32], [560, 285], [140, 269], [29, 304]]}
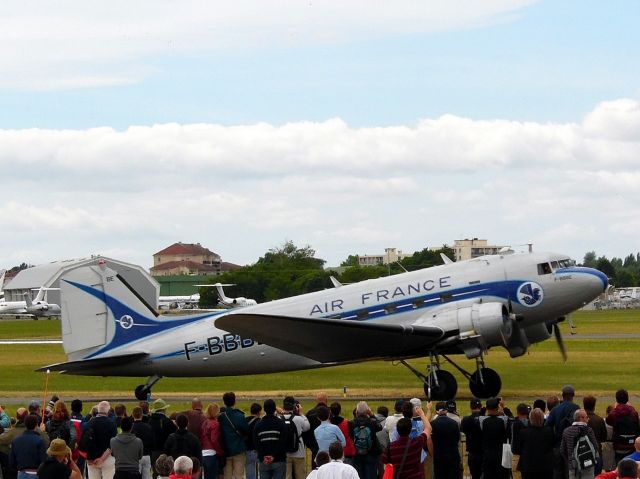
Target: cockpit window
{"points": [[566, 263], [554, 265], [544, 268]]}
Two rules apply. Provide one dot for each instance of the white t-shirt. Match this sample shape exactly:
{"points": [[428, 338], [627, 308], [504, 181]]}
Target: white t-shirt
{"points": [[337, 470]]}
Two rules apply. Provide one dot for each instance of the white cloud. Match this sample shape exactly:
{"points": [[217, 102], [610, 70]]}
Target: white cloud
{"points": [[240, 190], [69, 44]]}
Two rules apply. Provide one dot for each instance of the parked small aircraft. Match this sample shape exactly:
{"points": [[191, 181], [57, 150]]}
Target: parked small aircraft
{"points": [[238, 302], [38, 307], [179, 302], [510, 300]]}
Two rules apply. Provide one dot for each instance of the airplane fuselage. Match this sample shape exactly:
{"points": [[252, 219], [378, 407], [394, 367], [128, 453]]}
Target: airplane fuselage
{"points": [[536, 288]]}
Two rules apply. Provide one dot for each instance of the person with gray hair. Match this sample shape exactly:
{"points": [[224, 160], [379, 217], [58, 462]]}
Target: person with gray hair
{"points": [[578, 468], [182, 468], [101, 464], [368, 450], [103, 407]]}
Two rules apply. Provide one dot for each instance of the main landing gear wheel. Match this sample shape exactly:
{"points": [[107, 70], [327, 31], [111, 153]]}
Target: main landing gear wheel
{"points": [[446, 388], [142, 392], [487, 387]]}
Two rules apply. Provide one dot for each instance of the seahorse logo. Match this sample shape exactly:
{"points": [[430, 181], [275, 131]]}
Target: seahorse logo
{"points": [[530, 294]]}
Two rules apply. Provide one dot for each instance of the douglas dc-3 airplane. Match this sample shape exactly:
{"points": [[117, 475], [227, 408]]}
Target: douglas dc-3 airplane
{"points": [[510, 300]]}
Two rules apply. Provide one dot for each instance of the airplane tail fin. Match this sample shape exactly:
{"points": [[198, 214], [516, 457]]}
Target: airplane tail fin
{"points": [[99, 310], [28, 300], [2, 273], [221, 295], [102, 314]]}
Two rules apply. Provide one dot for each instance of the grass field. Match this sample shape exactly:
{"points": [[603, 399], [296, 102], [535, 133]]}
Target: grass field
{"points": [[596, 366]]}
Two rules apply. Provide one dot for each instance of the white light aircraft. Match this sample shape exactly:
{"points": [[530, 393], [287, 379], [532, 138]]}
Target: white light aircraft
{"points": [[510, 300], [239, 302], [38, 307], [179, 302]]}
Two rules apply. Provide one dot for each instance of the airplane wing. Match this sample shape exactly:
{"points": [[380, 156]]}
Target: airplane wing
{"points": [[332, 340], [84, 365]]}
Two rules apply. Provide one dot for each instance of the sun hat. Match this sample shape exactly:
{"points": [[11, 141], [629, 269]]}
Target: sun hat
{"points": [[159, 405], [58, 448]]}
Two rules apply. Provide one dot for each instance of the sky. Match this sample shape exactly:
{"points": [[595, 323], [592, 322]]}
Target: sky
{"points": [[347, 126]]}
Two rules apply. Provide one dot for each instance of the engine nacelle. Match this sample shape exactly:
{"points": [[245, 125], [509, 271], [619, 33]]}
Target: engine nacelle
{"points": [[481, 326], [539, 332]]}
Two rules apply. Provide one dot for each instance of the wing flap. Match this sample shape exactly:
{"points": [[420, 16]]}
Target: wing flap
{"points": [[86, 365], [332, 340]]}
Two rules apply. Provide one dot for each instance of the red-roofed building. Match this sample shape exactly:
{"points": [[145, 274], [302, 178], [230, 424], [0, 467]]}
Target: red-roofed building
{"points": [[186, 258]]}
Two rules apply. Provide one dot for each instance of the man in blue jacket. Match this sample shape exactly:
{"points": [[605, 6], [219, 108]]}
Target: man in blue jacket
{"points": [[28, 450], [234, 430]]}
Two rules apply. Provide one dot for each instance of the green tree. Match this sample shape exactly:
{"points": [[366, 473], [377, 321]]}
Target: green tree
{"points": [[625, 279], [282, 272], [630, 261], [590, 260], [426, 258], [355, 274], [604, 265], [352, 260]]}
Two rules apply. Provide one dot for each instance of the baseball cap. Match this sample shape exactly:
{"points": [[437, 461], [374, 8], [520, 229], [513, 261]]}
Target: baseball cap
{"points": [[451, 405], [415, 402], [475, 403]]}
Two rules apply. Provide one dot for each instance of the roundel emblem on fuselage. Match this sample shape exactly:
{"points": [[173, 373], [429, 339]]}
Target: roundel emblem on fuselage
{"points": [[530, 294], [126, 322]]}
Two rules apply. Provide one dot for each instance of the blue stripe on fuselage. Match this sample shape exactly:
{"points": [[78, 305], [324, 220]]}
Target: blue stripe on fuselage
{"points": [[584, 270]]}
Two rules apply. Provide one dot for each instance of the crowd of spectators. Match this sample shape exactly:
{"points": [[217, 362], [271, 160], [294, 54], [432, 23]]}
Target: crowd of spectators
{"points": [[553, 438]]}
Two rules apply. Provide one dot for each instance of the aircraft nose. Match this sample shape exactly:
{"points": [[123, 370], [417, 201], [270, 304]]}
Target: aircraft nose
{"points": [[597, 280]]}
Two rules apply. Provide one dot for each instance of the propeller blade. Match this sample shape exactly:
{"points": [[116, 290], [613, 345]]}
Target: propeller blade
{"points": [[560, 341]]}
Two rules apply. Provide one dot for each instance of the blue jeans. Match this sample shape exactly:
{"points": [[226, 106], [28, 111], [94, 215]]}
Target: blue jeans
{"points": [[24, 475], [275, 470], [210, 466], [252, 465]]}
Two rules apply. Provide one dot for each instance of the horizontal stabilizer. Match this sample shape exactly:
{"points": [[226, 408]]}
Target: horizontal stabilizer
{"points": [[86, 365], [332, 340]]}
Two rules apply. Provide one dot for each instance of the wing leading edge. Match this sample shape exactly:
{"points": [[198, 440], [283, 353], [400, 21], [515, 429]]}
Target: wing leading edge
{"points": [[332, 340]]}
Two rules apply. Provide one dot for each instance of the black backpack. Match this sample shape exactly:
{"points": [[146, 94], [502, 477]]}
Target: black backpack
{"points": [[584, 453], [60, 430], [292, 437], [625, 430]]}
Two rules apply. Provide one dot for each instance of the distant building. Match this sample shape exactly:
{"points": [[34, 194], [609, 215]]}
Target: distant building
{"points": [[390, 255], [473, 248], [48, 276], [188, 259]]}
